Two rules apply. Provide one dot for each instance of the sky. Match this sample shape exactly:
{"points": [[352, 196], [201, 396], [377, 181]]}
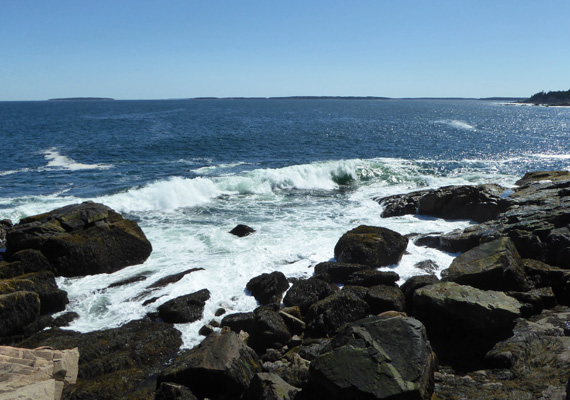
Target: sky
{"points": [[142, 49]]}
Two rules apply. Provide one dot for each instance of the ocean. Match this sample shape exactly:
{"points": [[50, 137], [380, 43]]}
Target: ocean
{"points": [[301, 172]]}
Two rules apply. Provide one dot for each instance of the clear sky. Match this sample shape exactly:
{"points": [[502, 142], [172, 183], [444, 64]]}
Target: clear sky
{"points": [[142, 49]]}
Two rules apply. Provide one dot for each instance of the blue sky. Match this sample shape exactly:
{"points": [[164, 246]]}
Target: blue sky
{"points": [[141, 49]]}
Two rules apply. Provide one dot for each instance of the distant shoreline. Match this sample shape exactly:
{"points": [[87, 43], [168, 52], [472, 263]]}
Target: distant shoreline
{"points": [[83, 99]]}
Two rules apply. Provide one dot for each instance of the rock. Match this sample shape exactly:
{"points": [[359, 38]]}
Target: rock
{"points": [[52, 299], [480, 203], [173, 391], [535, 300], [538, 176], [188, 308], [294, 324], [326, 316], [270, 330], [222, 366], [162, 282], [336, 271], [463, 322], [81, 239], [544, 275], [17, 310], [128, 281], [304, 293], [268, 288], [409, 287], [24, 262], [242, 230], [292, 368], [494, 265], [41, 373], [376, 358], [385, 298], [240, 322], [267, 386], [312, 347], [119, 363], [427, 266], [370, 245], [5, 226], [206, 330], [372, 277]]}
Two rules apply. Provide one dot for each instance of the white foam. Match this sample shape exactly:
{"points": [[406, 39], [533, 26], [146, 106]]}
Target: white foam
{"points": [[59, 161], [454, 123], [553, 156]]}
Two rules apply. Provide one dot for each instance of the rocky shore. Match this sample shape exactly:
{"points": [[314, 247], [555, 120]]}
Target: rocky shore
{"points": [[495, 326]]}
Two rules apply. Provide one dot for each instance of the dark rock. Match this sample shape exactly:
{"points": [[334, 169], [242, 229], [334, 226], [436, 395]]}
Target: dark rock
{"points": [[186, 308], [17, 310], [52, 299], [372, 277], [5, 226], [538, 176], [427, 266], [456, 241], [370, 245], [128, 281], [294, 324], [326, 316], [24, 262], [304, 293], [64, 319], [312, 347], [221, 367], [536, 300], [411, 285], [150, 301], [267, 386], [479, 203], [270, 330], [240, 322], [242, 230], [358, 291], [376, 358], [119, 363], [173, 391], [292, 368], [206, 330], [268, 288], [219, 312], [162, 282], [494, 265], [385, 298], [336, 271], [463, 322], [81, 239], [544, 275]]}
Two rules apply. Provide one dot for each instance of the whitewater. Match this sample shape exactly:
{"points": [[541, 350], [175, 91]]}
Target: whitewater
{"points": [[301, 173]]}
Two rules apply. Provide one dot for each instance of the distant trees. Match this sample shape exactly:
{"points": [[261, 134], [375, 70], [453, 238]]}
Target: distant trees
{"points": [[557, 98]]}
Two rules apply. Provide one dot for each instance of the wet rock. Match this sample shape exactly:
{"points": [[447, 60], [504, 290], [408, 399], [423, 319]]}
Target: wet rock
{"points": [[81, 239], [173, 391], [537, 176], [162, 282], [5, 226], [304, 293], [494, 265], [17, 310], [376, 358], [188, 308], [370, 245], [385, 298], [242, 230], [52, 299], [128, 281], [372, 277], [326, 316], [119, 363], [337, 272], [427, 266], [24, 262], [267, 386], [222, 366], [463, 322], [268, 288]]}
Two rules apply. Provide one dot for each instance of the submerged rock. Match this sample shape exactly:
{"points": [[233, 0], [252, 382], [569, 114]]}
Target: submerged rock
{"points": [[370, 245], [242, 230]]}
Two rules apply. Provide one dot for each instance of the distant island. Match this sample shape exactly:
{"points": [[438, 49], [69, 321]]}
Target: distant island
{"points": [[83, 99], [558, 98]]}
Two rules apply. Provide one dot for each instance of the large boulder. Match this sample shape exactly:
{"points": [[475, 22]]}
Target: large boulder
{"points": [[17, 310], [221, 367], [382, 298], [306, 292], [52, 299], [81, 239], [494, 265], [326, 316], [463, 322], [337, 272], [118, 363], [370, 245], [268, 288], [376, 358], [188, 308]]}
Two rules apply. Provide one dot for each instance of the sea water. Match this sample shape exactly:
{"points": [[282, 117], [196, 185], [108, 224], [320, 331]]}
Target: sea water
{"points": [[300, 172]]}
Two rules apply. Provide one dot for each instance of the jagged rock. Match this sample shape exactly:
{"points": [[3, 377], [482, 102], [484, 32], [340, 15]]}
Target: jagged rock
{"points": [[370, 245], [267, 386], [173, 391], [372, 277], [376, 358], [337, 272], [17, 310], [81, 239], [304, 293], [464, 322], [326, 316], [494, 265], [41, 373], [162, 282], [52, 299], [188, 308], [119, 363], [268, 288], [242, 230], [480, 203], [222, 366], [385, 298]]}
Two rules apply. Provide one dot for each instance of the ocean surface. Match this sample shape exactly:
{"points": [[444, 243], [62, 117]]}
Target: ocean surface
{"points": [[300, 172]]}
